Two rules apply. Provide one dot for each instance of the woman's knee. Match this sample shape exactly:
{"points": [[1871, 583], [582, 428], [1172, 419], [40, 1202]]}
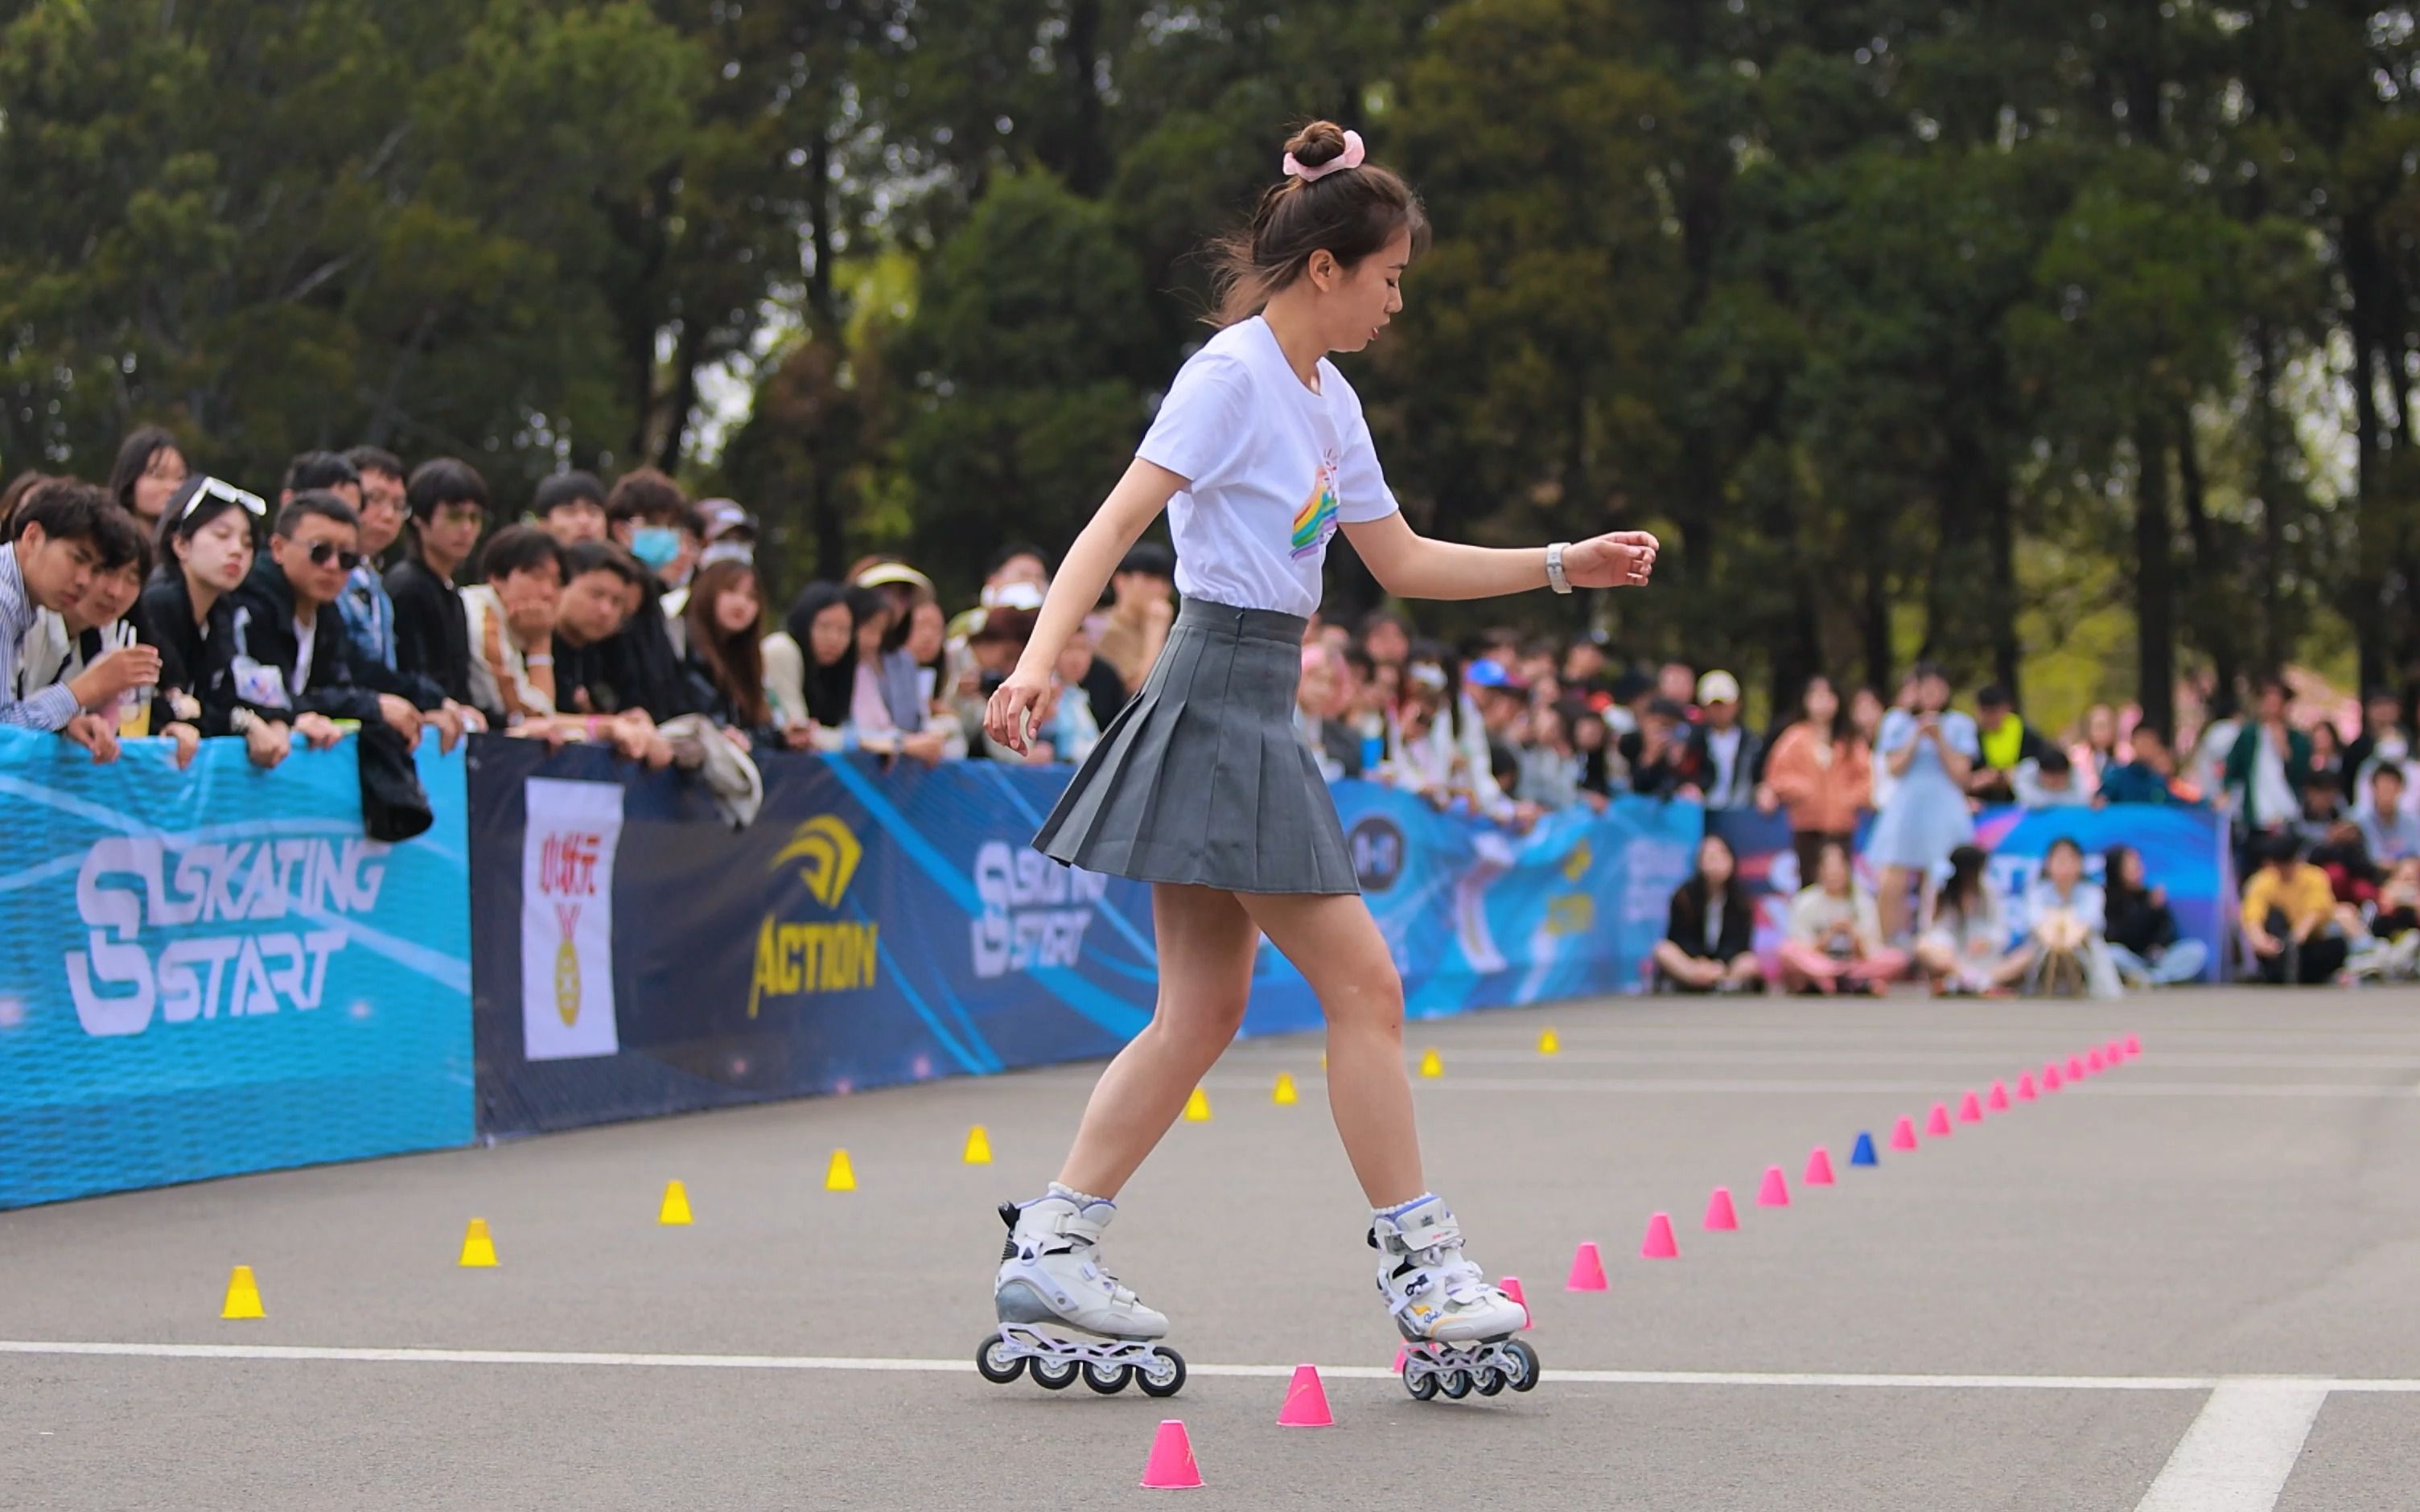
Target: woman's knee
{"points": [[1373, 1004], [1202, 1020]]}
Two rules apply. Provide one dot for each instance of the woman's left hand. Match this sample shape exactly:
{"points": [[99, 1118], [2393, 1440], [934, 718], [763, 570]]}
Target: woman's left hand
{"points": [[1620, 559]]}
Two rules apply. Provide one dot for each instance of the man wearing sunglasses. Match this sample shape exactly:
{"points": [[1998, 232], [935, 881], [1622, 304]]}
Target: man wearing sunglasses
{"points": [[289, 650]]}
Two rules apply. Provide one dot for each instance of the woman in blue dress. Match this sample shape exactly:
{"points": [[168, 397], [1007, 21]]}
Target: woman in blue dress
{"points": [[1927, 752]]}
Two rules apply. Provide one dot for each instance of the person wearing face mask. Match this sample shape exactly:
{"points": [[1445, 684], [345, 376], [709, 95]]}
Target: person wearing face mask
{"points": [[208, 537], [646, 515]]}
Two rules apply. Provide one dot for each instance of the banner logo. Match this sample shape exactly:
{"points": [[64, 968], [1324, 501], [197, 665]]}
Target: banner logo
{"points": [[568, 920], [1376, 844], [795, 959], [1034, 911]]}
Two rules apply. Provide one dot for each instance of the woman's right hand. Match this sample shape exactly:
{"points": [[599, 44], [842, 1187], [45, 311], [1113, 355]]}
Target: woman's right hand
{"points": [[1019, 707]]}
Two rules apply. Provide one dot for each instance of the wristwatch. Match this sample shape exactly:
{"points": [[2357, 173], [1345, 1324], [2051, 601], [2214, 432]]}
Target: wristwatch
{"points": [[1554, 578]]}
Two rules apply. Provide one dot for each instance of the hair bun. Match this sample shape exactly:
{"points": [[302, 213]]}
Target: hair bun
{"points": [[1318, 143]]}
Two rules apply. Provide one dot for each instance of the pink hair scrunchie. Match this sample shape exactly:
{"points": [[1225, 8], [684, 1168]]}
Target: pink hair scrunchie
{"points": [[1350, 158]]}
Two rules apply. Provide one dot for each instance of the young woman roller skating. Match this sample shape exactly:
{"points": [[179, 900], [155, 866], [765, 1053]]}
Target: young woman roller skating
{"points": [[1202, 788]]}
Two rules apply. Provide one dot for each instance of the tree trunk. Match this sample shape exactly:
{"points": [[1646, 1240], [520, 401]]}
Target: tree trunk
{"points": [[819, 237], [2154, 577], [2214, 584], [2365, 319], [1877, 629]]}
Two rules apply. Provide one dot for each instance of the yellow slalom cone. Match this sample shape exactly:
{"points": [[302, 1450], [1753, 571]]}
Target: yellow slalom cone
{"points": [[478, 1250], [1430, 1065], [978, 1147], [841, 1177], [674, 1212], [243, 1295], [1323, 1062], [1197, 1107], [1549, 1043], [1283, 1093]]}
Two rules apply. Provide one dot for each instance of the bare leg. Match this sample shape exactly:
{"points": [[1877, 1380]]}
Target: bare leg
{"points": [[1206, 943], [1335, 944], [1892, 905], [1746, 970]]}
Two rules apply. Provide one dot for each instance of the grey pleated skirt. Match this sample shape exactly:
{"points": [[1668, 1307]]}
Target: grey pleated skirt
{"points": [[1201, 778]]}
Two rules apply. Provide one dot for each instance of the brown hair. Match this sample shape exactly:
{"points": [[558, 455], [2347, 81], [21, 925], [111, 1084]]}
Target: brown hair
{"points": [[735, 662], [1349, 213]]}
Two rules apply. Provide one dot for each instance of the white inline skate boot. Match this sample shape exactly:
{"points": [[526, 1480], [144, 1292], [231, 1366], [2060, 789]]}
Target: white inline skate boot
{"points": [[1052, 1285], [1457, 1329]]}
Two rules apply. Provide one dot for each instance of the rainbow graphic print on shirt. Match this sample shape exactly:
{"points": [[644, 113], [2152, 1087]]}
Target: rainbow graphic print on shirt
{"points": [[1315, 521]]}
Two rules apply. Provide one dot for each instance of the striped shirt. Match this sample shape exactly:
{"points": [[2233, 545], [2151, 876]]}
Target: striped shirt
{"points": [[49, 708]]}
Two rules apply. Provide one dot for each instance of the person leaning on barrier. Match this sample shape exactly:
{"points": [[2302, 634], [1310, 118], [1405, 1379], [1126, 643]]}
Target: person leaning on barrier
{"points": [[599, 581], [52, 554], [208, 533], [62, 644], [289, 658]]}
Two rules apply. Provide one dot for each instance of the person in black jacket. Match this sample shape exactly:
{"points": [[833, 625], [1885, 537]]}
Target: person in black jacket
{"points": [[208, 533], [2140, 927], [1709, 944], [646, 513], [448, 504], [287, 653]]}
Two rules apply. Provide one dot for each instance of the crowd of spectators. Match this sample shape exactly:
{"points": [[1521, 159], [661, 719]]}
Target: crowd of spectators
{"points": [[172, 603]]}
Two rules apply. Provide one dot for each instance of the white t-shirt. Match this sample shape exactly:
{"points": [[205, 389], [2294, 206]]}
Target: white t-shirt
{"points": [[1271, 469]]}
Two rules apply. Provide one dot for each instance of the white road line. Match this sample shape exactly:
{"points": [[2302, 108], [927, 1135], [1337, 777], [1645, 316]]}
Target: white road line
{"points": [[2240, 1451], [1827, 1380]]}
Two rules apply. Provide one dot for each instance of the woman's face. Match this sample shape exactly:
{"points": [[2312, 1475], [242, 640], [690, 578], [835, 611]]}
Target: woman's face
{"points": [[219, 553], [1866, 710], [738, 610], [2324, 744], [1317, 687], [1357, 301], [2130, 868], [2066, 868], [828, 634], [1715, 860], [2101, 728], [870, 633], [1832, 872], [1931, 693], [1589, 735], [164, 476], [1823, 704], [928, 629]]}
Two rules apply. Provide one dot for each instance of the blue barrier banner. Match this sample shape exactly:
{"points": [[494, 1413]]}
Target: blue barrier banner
{"points": [[212, 971], [877, 926], [2184, 851]]}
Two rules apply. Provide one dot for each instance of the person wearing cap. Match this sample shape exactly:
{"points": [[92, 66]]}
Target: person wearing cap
{"points": [[1725, 756], [1142, 606]]}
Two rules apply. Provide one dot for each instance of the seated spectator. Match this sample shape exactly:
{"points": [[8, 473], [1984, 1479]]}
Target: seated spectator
{"points": [[2048, 781], [1723, 754], [1333, 745], [2389, 947], [570, 506], [2007, 743], [2390, 831], [1142, 606], [1820, 770], [368, 610], [2067, 915], [207, 534], [1835, 937], [2290, 918], [282, 665], [1709, 944], [726, 658], [648, 515], [2141, 929], [150, 466], [1964, 946], [55, 549], [511, 618], [447, 501], [2151, 777]]}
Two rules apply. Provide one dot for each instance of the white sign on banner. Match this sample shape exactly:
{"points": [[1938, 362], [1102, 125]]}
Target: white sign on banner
{"points": [[568, 920]]}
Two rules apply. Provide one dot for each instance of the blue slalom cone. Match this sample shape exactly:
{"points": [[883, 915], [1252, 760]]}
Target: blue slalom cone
{"points": [[1864, 1153]]}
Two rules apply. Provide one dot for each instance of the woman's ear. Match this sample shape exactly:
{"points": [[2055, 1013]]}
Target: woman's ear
{"points": [[1324, 269]]}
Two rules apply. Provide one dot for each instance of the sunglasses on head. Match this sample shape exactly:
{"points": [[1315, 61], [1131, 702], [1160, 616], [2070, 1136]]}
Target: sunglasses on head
{"points": [[212, 488], [322, 552]]}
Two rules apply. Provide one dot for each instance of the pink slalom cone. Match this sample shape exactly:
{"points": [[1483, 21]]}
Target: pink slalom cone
{"points": [[1720, 1214], [1970, 1109], [2133, 1047], [1938, 1125], [1511, 1287], [1775, 1190], [1306, 1403], [1903, 1134], [2114, 1052], [1819, 1167], [2096, 1062], [2050, 1076], [1587, 1268], [1659, 1244], [2025, 1087], [1171, 1467], [1998, 1100]]}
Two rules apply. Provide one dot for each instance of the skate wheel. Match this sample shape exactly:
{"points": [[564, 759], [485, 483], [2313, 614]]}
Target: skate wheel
{"points": [[1421, 1386], [1455, 1384], [1162, 1374], [1108, 1379], [1057, 1375], [1524, 1374], [1490, 1381], [998, 1363]]}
